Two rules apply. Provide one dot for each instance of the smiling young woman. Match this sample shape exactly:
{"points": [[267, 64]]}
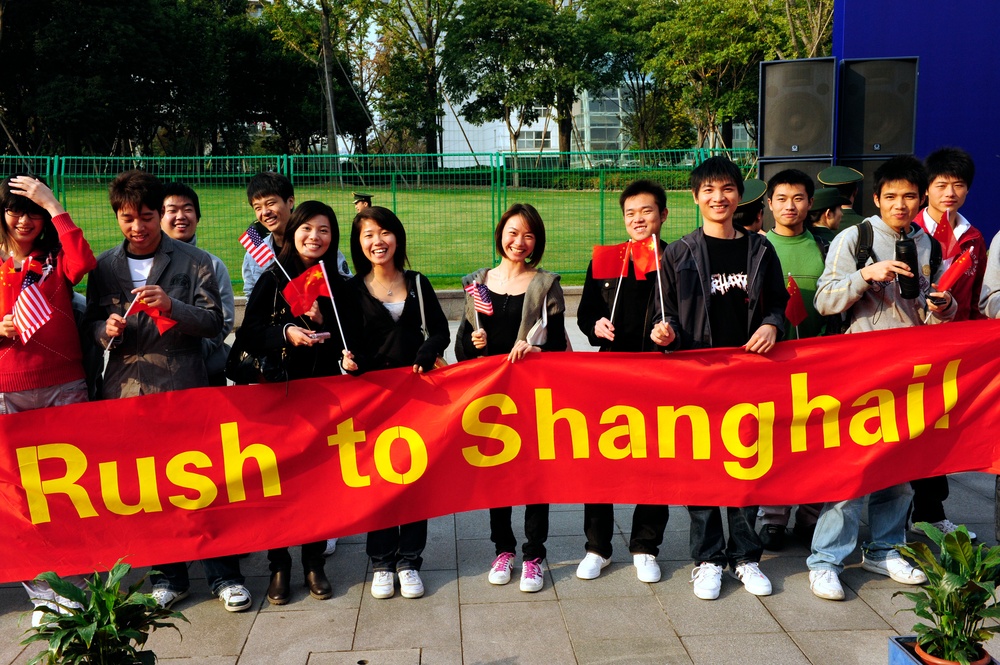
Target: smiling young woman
{"points": [[526, 301]]}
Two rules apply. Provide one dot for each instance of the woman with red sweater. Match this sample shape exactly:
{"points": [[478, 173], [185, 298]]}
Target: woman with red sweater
{"points": [[47, 368]]}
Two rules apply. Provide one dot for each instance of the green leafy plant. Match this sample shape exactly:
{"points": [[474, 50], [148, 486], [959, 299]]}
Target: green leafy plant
{"points": [[960, 594], [111, 626]]}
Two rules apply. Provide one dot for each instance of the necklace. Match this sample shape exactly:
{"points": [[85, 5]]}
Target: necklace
{"points": [[388, 291]]}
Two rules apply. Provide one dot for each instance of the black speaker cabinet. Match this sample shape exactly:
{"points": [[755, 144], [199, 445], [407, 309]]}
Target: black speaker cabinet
{"points": [[796, 108], [768, 168], [877, 107]]}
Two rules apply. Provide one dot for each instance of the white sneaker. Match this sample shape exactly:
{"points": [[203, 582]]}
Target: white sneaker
{"points": [[826, 584], [331, 546], [897, 568], [944, 526], [235, 598], [532, 575], [165, 597], [500, 570], [383, 584], [646, 568], [707, 580], [410, 584], [591, 566], [753, 580]]}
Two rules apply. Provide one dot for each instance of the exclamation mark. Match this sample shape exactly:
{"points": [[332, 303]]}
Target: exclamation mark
{"points": [[950, 389]]}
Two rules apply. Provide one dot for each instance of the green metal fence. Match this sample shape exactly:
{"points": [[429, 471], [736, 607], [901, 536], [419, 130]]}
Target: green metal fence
{"points": [[448, 203]]}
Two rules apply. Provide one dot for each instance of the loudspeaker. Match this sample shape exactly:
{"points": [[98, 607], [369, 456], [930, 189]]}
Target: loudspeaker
{"points": [[877, 107], [768, 169], [864, 203], [796, 108]]}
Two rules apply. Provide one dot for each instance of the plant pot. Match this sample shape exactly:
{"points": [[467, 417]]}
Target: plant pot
{"points": [[934, 660], [902, 651]]}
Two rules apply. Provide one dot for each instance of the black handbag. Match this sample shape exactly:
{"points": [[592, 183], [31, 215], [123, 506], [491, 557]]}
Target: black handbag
{"points": [[244, 367]]}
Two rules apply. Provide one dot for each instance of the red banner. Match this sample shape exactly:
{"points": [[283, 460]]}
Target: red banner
{"points": [[213, 471]]}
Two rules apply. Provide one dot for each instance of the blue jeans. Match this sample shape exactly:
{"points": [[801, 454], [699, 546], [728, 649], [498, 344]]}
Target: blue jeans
{"points": [[837, 528]]}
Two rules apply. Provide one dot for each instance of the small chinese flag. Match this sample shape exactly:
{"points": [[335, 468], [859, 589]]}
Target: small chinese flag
{"points": [[302, 292], [644, 257], [162, 321], [944, 234], [955, 271], [795, 310], [610, 261], [10, 285]]}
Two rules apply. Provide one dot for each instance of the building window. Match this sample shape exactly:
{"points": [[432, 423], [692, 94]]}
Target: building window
{"points": [[534, 140]]}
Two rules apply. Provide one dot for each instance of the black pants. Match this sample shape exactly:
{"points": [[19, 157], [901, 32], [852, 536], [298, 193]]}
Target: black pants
{"points": [[398, 547], [536, 530], [648, 525], [928, 498], [708, 543], [312, 557], [219, 572]]}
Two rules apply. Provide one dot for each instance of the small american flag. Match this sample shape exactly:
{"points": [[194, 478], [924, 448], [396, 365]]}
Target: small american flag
{"points": [[480, 298], [31, 310], [256, 246]]}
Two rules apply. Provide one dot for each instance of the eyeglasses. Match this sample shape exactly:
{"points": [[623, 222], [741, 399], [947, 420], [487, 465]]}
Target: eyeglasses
{"points": [[33, 216]]}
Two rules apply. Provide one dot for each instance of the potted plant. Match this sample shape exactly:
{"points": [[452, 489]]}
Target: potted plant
{"points": [[958, 599], [109, 627]]}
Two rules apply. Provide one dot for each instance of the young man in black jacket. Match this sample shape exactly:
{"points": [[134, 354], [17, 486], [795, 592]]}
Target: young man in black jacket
{"points": [[616, 315], [722, 287]]}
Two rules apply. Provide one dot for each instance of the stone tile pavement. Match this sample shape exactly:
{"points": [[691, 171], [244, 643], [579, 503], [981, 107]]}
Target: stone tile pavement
{"points": [[463, 620]]}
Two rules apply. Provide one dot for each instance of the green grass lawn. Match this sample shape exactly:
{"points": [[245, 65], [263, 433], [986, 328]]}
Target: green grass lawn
{"points": [[449, 230]]}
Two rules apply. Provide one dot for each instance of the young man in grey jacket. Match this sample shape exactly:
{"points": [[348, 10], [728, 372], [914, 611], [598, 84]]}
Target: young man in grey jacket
{"points": [[872, 299]]}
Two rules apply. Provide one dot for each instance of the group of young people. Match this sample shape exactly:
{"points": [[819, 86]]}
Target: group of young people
{"points": [[722, 285]]}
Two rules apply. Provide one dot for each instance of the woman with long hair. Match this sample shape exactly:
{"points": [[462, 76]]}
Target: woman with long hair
{"points": [[404, 326], [528, 316], [41, 363], [310, 346]]}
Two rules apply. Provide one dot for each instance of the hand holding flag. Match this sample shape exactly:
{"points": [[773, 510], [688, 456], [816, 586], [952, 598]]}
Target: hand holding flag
{"points": [[301, 292], [955, 271], [31, 309], [140, 304]]}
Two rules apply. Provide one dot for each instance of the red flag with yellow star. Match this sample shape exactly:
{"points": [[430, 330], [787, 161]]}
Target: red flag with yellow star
{"points": [[162, 321], [301, 292], [10, 285]]}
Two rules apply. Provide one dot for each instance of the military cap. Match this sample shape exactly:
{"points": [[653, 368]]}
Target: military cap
{"points": [[828, 197], [839, 175], [753, 190], [361, 196]]}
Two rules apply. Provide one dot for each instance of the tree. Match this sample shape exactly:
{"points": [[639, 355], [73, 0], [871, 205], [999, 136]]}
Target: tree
{"points": [[507, 75], [711, 51], [796, 28], [414, 39]]}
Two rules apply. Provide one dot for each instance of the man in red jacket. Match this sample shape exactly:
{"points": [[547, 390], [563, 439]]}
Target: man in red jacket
{"points": [[949, 174]]}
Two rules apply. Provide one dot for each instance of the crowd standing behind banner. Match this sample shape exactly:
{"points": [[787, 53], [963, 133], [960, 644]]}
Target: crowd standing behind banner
{"points": [[154, 302]]}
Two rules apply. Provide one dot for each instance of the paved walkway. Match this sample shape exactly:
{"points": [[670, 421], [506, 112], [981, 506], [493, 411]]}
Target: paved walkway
{"points": [[463, 619]]}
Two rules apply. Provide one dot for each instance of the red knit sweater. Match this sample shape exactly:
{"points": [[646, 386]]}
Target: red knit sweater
{"points": [[52, 355]]}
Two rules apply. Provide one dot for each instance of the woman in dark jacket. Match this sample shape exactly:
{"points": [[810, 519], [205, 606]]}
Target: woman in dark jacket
{"points": [[306, 350], [404, 326]]}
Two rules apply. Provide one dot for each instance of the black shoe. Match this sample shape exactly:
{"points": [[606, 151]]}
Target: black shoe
{"points": [[804, 532], [772, 537], [319, 587], [279, 591]]}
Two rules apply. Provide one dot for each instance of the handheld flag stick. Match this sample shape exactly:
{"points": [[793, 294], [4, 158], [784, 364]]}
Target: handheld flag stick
{"points": [[333, 301], [659, 278], [107, 347], [618, 289]]}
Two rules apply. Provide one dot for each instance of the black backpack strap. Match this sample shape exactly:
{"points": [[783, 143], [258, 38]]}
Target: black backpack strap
{"points": [[935, 255], [865, 239]]}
